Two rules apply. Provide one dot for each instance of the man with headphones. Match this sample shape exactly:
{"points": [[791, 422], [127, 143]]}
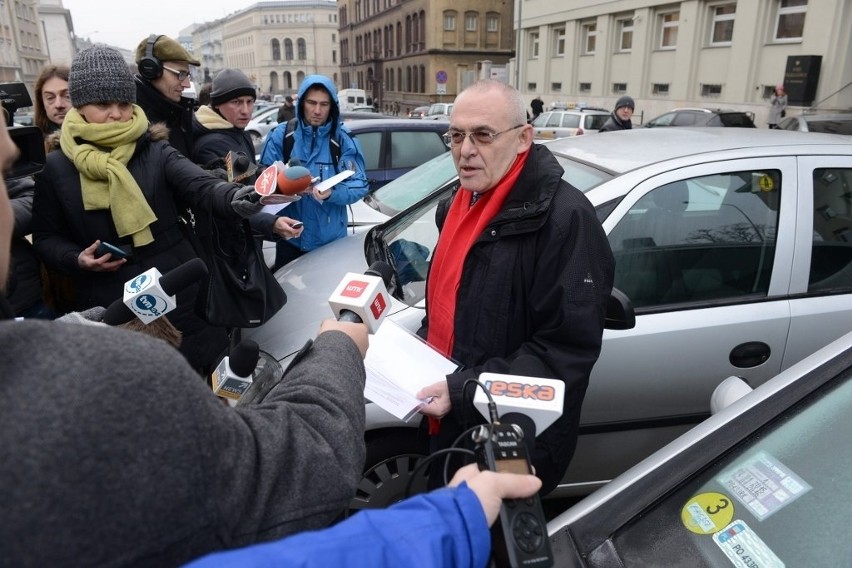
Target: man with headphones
{"points": [[164, 73]]}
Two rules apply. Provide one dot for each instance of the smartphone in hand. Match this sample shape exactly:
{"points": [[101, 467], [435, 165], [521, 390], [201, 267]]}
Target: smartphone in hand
{"points": [[115, 251], [296, 224]]}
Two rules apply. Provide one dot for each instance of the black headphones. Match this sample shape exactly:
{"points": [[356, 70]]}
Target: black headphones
{"points": [[149, 66]]}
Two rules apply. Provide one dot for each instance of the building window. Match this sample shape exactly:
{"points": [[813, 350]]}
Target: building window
{"points": [[492, 24], [556, 87], [722, 31], [288, 49], [534, 45], [660, 88], [532, 86], [302, 47], [590, 35], [585, 87], [619, 88], [625, 35], [668, 30], [559, 41], [791, 20], [449, 21], [711, 90], [470, 22]]}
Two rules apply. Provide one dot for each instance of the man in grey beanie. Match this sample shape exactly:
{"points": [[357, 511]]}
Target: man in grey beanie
{"points": [[619, 119]]}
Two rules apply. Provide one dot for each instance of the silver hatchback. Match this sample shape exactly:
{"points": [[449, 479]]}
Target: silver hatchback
{"points": [[734, 246], [563, 123]]}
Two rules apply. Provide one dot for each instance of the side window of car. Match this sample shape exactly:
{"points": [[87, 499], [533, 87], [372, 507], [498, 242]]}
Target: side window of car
{"points": [[541, 120], [554, 119], [709, 238], [410, 149], [570, 120], [687, 118], [595, 121], [371, 145], [831, 254], [664, 120]]}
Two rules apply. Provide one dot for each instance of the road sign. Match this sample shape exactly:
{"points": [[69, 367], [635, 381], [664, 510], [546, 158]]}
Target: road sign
{"points": [[442, 89], [441, 77]]}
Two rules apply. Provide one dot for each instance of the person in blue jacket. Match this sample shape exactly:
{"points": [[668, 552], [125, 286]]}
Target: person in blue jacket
{"points": [[446, 527], [320, 141]]}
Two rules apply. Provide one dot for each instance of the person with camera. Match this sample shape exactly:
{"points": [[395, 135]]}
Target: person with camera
{"points": [[116, 182], [118, 455]]}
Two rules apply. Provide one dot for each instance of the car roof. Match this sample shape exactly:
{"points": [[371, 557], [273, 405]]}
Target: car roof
{"points": [[623, 151], [396, 124]]}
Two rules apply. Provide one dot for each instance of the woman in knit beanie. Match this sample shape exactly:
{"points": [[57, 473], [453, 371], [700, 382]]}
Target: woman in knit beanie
{"points": [[116, 181]]}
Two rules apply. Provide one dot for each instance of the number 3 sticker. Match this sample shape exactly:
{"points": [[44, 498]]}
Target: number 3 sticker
{"points": [[707, 513]]}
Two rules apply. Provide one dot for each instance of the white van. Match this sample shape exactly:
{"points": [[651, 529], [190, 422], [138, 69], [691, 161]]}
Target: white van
{"points": [[350, 98]]}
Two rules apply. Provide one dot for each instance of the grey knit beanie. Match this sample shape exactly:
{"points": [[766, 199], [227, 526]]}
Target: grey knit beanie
{"points": [[229, 84], [99, 74], [625, 101]]}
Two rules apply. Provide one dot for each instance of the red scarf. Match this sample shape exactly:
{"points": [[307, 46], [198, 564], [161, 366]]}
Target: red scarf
{"points": [[463, 225]]}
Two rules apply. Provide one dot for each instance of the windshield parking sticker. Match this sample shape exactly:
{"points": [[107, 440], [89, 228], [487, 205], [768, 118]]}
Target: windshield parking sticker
{"points": [[706, 513], [763, 484], [744, 548]]}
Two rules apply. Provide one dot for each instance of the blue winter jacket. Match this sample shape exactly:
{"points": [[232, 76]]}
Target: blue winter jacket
{"points": [[324, 221], [446, 527]]}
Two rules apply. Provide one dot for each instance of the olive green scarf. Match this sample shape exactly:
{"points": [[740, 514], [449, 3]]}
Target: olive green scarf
{"points": [[100, 153]]}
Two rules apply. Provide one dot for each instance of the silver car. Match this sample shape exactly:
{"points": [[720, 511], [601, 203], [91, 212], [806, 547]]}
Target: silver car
{"points": [[760, 480], [734, 246], [830, 123], [561, 123]]}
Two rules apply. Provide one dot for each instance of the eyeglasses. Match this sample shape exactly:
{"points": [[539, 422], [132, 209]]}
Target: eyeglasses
{"points": [[181, 75], [483, 137]]}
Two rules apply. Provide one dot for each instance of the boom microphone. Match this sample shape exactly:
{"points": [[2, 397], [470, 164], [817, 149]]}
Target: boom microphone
{"points": [[363, 298], [151, 295]]}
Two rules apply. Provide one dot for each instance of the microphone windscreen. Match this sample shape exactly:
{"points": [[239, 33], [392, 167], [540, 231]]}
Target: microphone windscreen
{"points": [[294, 162], [179, 278], [242, 163], [243, 357], [117, 313], [293, 180], [381, 269]]}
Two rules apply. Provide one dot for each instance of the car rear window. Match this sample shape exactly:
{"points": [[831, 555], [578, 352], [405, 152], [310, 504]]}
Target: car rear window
{"points": [[595, 121], [831, 126], [736, 119]]}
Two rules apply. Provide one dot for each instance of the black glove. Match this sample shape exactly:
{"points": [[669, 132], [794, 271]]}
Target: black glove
{"points": [[246, 202]]}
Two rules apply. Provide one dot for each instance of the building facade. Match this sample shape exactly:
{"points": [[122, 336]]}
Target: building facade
{"points": [[276, 44], [22, 48], [416, 52], [695, 53]]}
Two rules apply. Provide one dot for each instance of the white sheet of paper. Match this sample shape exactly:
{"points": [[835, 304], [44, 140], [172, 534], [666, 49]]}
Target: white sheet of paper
{"points": [[398, 365], [333, 180]]}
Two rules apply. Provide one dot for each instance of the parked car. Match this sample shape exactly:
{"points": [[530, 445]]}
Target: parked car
{"points": [[439, 111], [734, 247], [563, 123], [261, 124], [703, 117], [418, 112], [830, 123], [396, 145], [748, 487]]}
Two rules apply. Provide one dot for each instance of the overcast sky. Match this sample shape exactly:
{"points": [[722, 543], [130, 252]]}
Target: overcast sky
{"points": [[124, 23]]}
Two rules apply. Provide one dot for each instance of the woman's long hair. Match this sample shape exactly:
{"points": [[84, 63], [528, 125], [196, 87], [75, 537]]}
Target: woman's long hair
{"points": [[47, 72]]}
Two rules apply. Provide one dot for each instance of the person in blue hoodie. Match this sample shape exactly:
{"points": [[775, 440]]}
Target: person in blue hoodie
{"points": [[446, 527], [320, 141]]}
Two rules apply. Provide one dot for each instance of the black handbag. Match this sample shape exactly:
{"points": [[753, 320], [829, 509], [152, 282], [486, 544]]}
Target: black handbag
{"points": [[240, 290]]}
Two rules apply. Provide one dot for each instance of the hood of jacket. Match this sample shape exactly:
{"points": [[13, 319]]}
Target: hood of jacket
{"points": [[209, 119], [326, 83]]}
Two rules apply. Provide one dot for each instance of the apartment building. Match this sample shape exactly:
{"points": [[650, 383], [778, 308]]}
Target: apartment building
{"points": [[22, 51], [695, 53], [415, 52]]}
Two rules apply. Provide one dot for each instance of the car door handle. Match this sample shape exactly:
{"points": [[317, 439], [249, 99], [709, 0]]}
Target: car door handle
{"points": [[750, 354]]}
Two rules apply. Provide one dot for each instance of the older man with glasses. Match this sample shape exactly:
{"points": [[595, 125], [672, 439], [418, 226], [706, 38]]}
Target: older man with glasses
{"points": [[519, 279], [164, 73]]}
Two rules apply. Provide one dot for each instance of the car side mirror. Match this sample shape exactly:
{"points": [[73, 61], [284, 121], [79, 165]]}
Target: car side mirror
{"points": [[619, 311]]}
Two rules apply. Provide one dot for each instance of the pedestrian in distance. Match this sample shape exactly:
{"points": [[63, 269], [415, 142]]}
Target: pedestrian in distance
{"points": [[777, 106], [537, 107]]}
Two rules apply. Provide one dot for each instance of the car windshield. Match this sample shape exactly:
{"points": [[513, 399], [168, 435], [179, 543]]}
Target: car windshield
{"points": [[413, 186], [831, 126], [772, 498]]}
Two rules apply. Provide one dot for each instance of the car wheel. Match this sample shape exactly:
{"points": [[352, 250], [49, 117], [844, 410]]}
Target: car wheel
{"points": [[392, 456]]}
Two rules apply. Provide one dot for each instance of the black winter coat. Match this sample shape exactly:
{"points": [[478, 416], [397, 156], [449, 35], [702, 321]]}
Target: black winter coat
{"points": [[535, 283], [24, 286], [176, 116], [62, 229]]}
